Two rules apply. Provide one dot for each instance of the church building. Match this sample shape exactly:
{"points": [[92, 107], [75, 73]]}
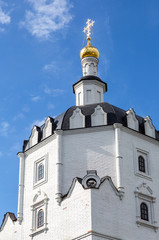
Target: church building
{"points": [[90, 173]]}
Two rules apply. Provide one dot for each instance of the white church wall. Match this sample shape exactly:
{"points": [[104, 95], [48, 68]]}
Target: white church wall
{"points": [[131, 143], [113, 217], [50, 152], [88, 149], [75, 211]]}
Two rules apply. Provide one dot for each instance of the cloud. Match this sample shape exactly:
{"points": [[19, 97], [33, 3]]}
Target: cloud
{"points": [[4, 128], [51, 67], [53, 92], [18, 116], [38, 123], [50, 106], [35, 99], [25, 108], [4, 17], [47, 16]]}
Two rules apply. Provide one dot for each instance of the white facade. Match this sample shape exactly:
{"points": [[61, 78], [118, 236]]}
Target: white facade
{"points": [[89, 176]]}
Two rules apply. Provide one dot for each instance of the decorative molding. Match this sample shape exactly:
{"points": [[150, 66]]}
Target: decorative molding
{"points": [[96, 234], [44, 161], [40, 201], [77, 120], [149, 128], [132, 122], [99, 117], [34, 136], [145, 154], [144, 193], [91, 180], [48, 127]]}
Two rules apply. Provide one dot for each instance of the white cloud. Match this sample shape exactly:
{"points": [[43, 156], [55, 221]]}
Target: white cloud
{"points": [[18, 116], [25, 108], [53, 92], [4, 128], [51, 67], [4, 17], [35, 99], [47, 16], [38, 122], [50, 106]]}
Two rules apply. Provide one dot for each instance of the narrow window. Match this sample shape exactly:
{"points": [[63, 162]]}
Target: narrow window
{"points": [[40, 172], [144, 211], [88, 96], [40, 218], [79, 98], [99, 96], [141, 162]]}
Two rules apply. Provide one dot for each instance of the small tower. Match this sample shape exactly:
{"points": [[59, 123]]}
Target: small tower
{"points": [[90, 88]]}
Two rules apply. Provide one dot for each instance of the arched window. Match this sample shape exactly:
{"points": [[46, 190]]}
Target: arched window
{"points": [[144, 211], [40, 172], [40, 218], [141, 162]]}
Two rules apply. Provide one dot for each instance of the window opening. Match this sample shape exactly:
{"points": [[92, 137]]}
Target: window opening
{"points": [[141, 162], [40, 172], [40, 218], [144, 211]]}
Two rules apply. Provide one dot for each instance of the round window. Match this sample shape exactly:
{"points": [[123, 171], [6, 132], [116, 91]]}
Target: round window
{"points": [[91, 183]]}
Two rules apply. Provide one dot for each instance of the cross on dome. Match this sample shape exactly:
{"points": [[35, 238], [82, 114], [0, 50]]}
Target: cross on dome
{"points": [[88, 27]]}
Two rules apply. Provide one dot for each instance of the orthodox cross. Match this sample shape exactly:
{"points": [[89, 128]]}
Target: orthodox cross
{"points": [[88, 27]]}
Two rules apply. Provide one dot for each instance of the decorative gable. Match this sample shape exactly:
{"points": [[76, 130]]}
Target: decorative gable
{"points": [[77, 120], [144, 189], [149, 128], [34, 136], [99, 117], [48, 128], [132, 122]]}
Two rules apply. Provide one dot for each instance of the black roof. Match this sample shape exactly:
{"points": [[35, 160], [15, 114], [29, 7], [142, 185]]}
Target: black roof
{"points": [[114, 115]]}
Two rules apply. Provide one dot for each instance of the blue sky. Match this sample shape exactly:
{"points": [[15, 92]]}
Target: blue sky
{"points": [[40, 42]]}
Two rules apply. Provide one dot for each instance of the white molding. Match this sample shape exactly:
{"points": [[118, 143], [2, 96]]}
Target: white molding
{"points": [[40, 201], [144, 193], [96, 234], [77, 120], [44, 160], [132, 121], [99, 117], [137, 152], [149, 128], [47, 130]]}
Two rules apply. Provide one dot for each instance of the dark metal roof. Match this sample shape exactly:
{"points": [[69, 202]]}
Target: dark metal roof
{"points": [[114, 115], [90, 77]]}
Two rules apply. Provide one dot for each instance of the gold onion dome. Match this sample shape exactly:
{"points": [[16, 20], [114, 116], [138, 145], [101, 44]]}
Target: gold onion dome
{"points": [[89, 50]]}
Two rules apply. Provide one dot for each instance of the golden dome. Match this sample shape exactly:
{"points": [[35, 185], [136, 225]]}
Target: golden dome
{"points": [[89, 50]]}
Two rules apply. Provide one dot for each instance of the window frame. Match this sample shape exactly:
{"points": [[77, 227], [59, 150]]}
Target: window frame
{"points": [[144, 194], [40, 204], [146, 156], [43, 161]]}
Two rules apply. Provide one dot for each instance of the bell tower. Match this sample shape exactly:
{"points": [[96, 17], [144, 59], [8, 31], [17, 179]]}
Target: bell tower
{"points": [[90, 88]]}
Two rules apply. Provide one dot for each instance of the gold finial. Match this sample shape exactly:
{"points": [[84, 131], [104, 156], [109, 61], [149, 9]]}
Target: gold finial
{"points": [[89, 50], [87, 29]]}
